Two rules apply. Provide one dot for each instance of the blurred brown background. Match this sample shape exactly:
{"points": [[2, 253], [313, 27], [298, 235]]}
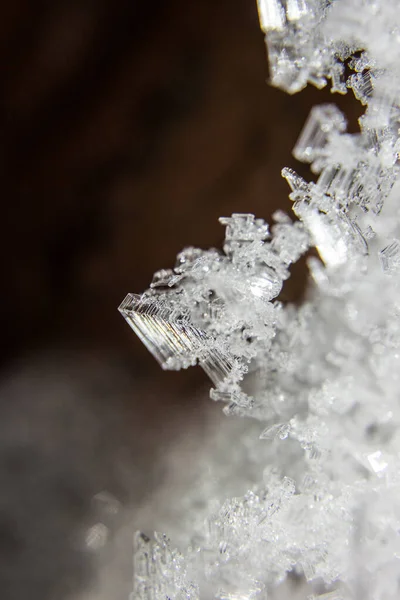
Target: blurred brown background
{"points": [[128, 128]]}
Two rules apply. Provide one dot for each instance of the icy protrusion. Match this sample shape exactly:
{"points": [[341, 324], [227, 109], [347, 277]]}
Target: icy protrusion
{"points": [[243, 228], [276, 14], [298, 51], [362, 86], [272, 14], [166, 329], [321, 123], [215, 309], [170, 336]]}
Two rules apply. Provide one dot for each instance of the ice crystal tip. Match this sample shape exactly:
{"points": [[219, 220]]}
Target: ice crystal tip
{"points": [[244, 227], [322, 122], [322, 378], [275, 14]]}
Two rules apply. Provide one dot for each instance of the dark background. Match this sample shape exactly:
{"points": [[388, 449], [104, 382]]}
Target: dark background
{"points": [[127, 129]]}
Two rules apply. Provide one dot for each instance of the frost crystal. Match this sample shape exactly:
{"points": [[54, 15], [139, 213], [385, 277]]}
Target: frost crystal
{"points": [[321, 379]]}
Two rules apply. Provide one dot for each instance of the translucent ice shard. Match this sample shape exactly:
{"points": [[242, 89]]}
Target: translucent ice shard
{"points": [[362, 85], [276, 14], [170, 337], [168, 332], [272, 14], [322, 121]]}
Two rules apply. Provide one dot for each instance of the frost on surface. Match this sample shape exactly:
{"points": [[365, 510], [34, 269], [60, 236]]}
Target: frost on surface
{"points": [[321, 379], [215, 307], [160, 571]]}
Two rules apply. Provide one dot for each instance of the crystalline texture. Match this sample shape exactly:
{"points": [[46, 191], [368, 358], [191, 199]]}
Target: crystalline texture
{"points": [[218, 302], [171, 337], [321, 379], [322, 121], [160, 572], [272, 14]]}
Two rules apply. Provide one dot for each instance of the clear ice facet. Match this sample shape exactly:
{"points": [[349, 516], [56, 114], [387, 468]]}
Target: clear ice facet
{"points": [[321, 123], [272, 14], [170, 337]]}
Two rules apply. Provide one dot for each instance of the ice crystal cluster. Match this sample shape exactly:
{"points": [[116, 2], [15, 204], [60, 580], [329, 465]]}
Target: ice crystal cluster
{"points": [[320, 380]]}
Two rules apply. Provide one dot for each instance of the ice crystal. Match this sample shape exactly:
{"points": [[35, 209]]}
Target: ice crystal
{"points": [[322, 379]]}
